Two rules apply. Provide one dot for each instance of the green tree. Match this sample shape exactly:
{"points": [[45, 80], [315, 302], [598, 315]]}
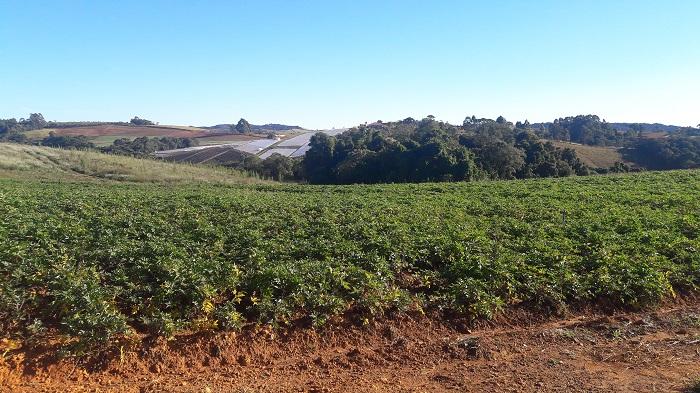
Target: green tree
{"points": [[278, 167], [137, 121], [37, 121], [319, 160], [7, 125], [67, 142], [243, 127]]}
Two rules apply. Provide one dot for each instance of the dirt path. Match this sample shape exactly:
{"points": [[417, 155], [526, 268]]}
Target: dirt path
{"points": [[643, 352]]}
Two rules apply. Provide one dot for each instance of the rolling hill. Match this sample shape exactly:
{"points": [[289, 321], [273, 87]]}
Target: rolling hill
{"points": [[24, 161], [645, 127], [593, 156], [271, 127]]}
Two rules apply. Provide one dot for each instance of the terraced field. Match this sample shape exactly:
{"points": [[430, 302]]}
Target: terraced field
{"points": [[219, 149]]}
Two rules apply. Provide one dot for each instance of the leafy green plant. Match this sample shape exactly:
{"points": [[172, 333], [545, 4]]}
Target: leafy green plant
{"points": [[93, 263]]}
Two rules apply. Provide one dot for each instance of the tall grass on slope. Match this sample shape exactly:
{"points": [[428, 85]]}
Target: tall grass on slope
{"points": [[35, 162]]}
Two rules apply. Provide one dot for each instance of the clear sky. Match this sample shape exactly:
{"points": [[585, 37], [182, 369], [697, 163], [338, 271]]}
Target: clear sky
{"points": [[333, 63]]}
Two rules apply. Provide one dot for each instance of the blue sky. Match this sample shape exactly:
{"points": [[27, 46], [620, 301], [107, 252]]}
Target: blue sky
{"points": [[339, 63]]}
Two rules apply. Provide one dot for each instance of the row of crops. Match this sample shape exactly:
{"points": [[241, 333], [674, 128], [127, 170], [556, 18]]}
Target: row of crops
{"points": [[91, 263]]}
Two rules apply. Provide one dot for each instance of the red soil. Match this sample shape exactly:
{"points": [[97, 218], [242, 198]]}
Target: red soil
{"points": [[133, 131], [627, 352]]}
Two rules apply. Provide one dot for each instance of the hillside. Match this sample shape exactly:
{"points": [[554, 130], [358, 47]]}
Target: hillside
{"points": [[271, 127], [623, 127], [593, 156], [647, 127], [24, 161], [103, 135]]}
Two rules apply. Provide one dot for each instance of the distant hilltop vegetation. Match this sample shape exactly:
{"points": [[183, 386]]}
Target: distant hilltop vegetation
{"points": [[408, 150], [623, 127], [255, 128]]}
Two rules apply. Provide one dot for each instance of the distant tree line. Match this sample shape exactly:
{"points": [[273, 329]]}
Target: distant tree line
{"points": [[139, 147], [586, 130], [73, 124], [430, 150], [137, 121], [419, 150], [145, 146], [276, 166], [676, 152], [36, 121], [78, 142], [244, 127]]}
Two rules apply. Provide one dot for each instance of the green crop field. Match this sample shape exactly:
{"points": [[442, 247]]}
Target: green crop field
{"points": [[91, 263]]}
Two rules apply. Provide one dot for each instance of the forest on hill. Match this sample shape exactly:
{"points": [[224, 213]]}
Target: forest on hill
{"points": [[425, 150], [430, 150]]}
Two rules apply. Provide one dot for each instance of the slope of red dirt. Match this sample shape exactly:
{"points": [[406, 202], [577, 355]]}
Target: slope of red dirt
{"points": [[131, 131], [627, 352]]}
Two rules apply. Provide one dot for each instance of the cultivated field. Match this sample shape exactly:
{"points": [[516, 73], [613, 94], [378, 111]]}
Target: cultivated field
{"points": [[103, 135], [108, 268], [293, 143], [208, 258], [219, 139]]}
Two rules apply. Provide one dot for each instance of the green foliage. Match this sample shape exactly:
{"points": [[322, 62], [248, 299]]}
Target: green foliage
{"points": [[275, 167], [666, 153], [406, 151], [587, 130], [14, 136], [243, 127], [95, 262], [137, 121], [145, 146], [7, 125], [67, 141], [35, 121], [72, 124], [410, 151]]}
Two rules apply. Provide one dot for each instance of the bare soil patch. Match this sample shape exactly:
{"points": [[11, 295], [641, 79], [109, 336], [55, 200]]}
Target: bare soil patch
{"points": [[655, 351], [130, 131]]}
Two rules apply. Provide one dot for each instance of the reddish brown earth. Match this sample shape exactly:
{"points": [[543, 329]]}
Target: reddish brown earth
{"points": [[133, 131], [627, 352]]}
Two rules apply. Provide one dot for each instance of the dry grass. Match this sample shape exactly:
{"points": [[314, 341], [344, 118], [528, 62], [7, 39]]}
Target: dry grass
{"points": [[593, 156], [34, 162], [39, 134]]}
